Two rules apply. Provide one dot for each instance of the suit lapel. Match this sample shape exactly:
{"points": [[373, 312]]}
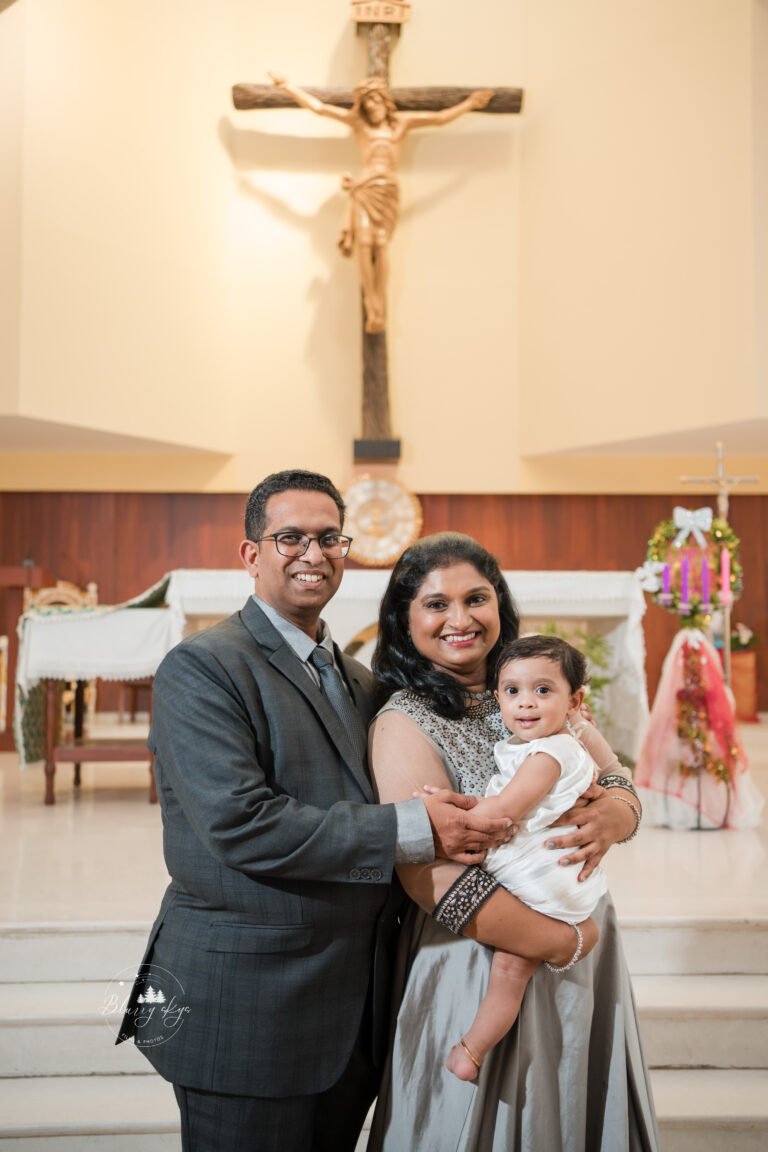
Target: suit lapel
{"points": [[282, 657]]}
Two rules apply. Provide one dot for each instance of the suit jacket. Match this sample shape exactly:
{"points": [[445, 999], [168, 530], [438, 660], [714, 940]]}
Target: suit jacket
{"points": [[280, 864]]}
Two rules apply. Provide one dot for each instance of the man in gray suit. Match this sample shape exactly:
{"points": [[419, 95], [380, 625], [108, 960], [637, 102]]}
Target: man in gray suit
{"points": [[258, 992]]}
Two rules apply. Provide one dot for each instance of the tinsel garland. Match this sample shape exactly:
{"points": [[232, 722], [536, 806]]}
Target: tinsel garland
{"points": [[693, 724]]}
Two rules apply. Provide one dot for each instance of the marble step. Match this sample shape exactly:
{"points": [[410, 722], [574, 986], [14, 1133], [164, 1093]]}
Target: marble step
{"points": [[69, 951], [708, 1110], [88, 1114], [698, 1111], [657, 946], [704, 1021], [63, 1030], [58, 952], [59, 1029]]}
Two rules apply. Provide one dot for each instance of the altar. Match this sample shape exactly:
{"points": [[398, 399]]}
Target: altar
{"points": [[129, 641]]}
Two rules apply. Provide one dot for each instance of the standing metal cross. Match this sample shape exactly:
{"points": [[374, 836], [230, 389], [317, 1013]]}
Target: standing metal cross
{"points": [[724, 483], [371, 111]]}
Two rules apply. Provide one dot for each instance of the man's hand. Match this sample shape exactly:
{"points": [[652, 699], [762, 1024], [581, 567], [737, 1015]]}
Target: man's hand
{"points": [[458, 835]]}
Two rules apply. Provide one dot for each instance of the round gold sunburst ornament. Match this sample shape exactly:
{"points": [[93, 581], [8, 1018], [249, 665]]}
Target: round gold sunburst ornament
{"points": [[383, 518]]}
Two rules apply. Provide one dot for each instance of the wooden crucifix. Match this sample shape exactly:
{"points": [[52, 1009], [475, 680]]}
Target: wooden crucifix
{"points": [[379, 118]]}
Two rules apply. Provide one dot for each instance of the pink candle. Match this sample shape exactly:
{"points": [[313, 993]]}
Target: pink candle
{"points": [[705, 583], [684, 569], [725, 576], [666, 582]]}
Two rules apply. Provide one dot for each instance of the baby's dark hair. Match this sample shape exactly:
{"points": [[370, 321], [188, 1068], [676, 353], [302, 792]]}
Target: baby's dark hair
{"points": [[569, 660]]}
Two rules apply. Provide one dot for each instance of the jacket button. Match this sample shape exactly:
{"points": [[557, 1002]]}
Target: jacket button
{"points": [[376, 874], [354, 874]]}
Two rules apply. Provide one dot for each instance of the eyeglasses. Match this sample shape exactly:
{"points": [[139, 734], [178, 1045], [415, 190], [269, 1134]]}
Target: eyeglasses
{"points": [[295, 544]]}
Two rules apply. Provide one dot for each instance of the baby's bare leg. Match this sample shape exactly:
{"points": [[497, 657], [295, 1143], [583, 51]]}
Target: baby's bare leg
{"points": [[498, 1011]]}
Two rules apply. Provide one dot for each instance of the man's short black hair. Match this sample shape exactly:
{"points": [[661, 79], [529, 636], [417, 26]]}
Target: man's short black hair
{"points": [[292, 480], [570, 661]]}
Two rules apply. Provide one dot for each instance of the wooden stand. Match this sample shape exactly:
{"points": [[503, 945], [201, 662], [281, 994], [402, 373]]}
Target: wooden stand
{"points": [[84, 750], [744, 685]]}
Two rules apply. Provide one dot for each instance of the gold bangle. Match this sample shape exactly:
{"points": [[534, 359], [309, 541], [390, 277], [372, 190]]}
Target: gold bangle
{"points": [[638, 817]]}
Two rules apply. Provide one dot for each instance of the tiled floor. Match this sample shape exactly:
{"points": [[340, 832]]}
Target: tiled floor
{"points": [[96, 855]]}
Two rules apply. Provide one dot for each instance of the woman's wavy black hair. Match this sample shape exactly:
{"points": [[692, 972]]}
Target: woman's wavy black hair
{"points": [[396, 663]]}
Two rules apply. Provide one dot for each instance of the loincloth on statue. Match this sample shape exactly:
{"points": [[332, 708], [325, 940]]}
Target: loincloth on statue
{"points": [[374, 204]]}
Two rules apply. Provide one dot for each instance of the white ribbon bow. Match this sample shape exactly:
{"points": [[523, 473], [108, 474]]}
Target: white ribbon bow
{"points": [[688, 522], [649, 574]]}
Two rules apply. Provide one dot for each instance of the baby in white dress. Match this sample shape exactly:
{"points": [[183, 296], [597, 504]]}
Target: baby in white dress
{"points": [[542, 772]]}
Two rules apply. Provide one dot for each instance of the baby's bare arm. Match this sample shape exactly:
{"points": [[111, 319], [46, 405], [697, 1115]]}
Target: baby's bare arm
{"points": [[534, 779]]}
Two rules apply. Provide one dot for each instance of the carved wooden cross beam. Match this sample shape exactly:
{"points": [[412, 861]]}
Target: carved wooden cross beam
{"points": [[505, 100], [379, 21]]}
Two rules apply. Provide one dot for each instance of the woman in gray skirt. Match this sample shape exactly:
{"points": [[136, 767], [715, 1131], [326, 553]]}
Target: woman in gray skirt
{"points": [[570, 1075]]}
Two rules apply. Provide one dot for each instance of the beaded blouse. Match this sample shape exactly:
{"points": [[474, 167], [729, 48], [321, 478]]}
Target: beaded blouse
{"points": [[465, 745]]}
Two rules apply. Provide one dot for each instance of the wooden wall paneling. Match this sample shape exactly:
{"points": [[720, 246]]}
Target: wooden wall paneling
{"points": [[160, 532], [748, 516], [209, 532], [68, 533]]}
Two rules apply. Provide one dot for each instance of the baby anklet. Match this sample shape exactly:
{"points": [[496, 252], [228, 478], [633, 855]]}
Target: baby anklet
{"points": [[477, 1063], [576, 956]]}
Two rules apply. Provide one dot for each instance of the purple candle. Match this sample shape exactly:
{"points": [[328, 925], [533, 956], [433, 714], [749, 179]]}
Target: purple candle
{"points": [[705, 582], [666, 582], [684, 570]]}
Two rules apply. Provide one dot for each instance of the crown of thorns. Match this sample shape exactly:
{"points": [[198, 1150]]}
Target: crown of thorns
{"points": [[375, 84]]}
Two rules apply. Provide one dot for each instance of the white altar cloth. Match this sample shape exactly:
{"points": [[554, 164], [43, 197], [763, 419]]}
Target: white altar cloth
{"points": [[119, 644]]}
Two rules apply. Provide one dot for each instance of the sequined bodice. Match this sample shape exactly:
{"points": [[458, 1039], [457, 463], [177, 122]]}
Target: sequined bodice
{"points": [[466, 745]]}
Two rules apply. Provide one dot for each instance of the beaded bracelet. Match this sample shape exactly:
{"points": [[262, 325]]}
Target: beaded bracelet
{"points": [[617, 780], [577, 954], [638, 817]]}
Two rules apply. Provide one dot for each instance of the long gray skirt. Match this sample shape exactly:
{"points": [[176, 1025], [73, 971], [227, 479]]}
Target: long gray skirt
{"points": [[569, 1077]]}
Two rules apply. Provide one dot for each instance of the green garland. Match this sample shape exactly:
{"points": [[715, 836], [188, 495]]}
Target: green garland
{"points": [[694, 728], [721, 535]]}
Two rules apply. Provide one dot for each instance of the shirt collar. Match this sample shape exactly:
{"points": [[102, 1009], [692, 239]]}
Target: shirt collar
{"points": [[301, 644]]}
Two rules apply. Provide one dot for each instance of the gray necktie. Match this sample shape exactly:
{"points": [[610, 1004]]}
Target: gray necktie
{"points": [[340, 700]]}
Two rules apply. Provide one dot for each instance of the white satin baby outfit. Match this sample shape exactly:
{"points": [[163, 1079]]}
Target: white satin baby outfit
{"points": [[525, 867]]}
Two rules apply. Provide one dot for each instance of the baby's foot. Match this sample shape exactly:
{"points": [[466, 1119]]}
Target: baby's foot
{"points": [[462, 1062]]}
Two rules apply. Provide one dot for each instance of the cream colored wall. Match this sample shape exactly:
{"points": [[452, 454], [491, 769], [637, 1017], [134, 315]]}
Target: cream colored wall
{"points": [[11, 124], [579, 275], [760, 201], [638, 210], [125, 275]]}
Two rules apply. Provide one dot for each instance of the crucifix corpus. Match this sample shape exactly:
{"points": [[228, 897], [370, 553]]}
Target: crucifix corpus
{"points": [[379, 118]]}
